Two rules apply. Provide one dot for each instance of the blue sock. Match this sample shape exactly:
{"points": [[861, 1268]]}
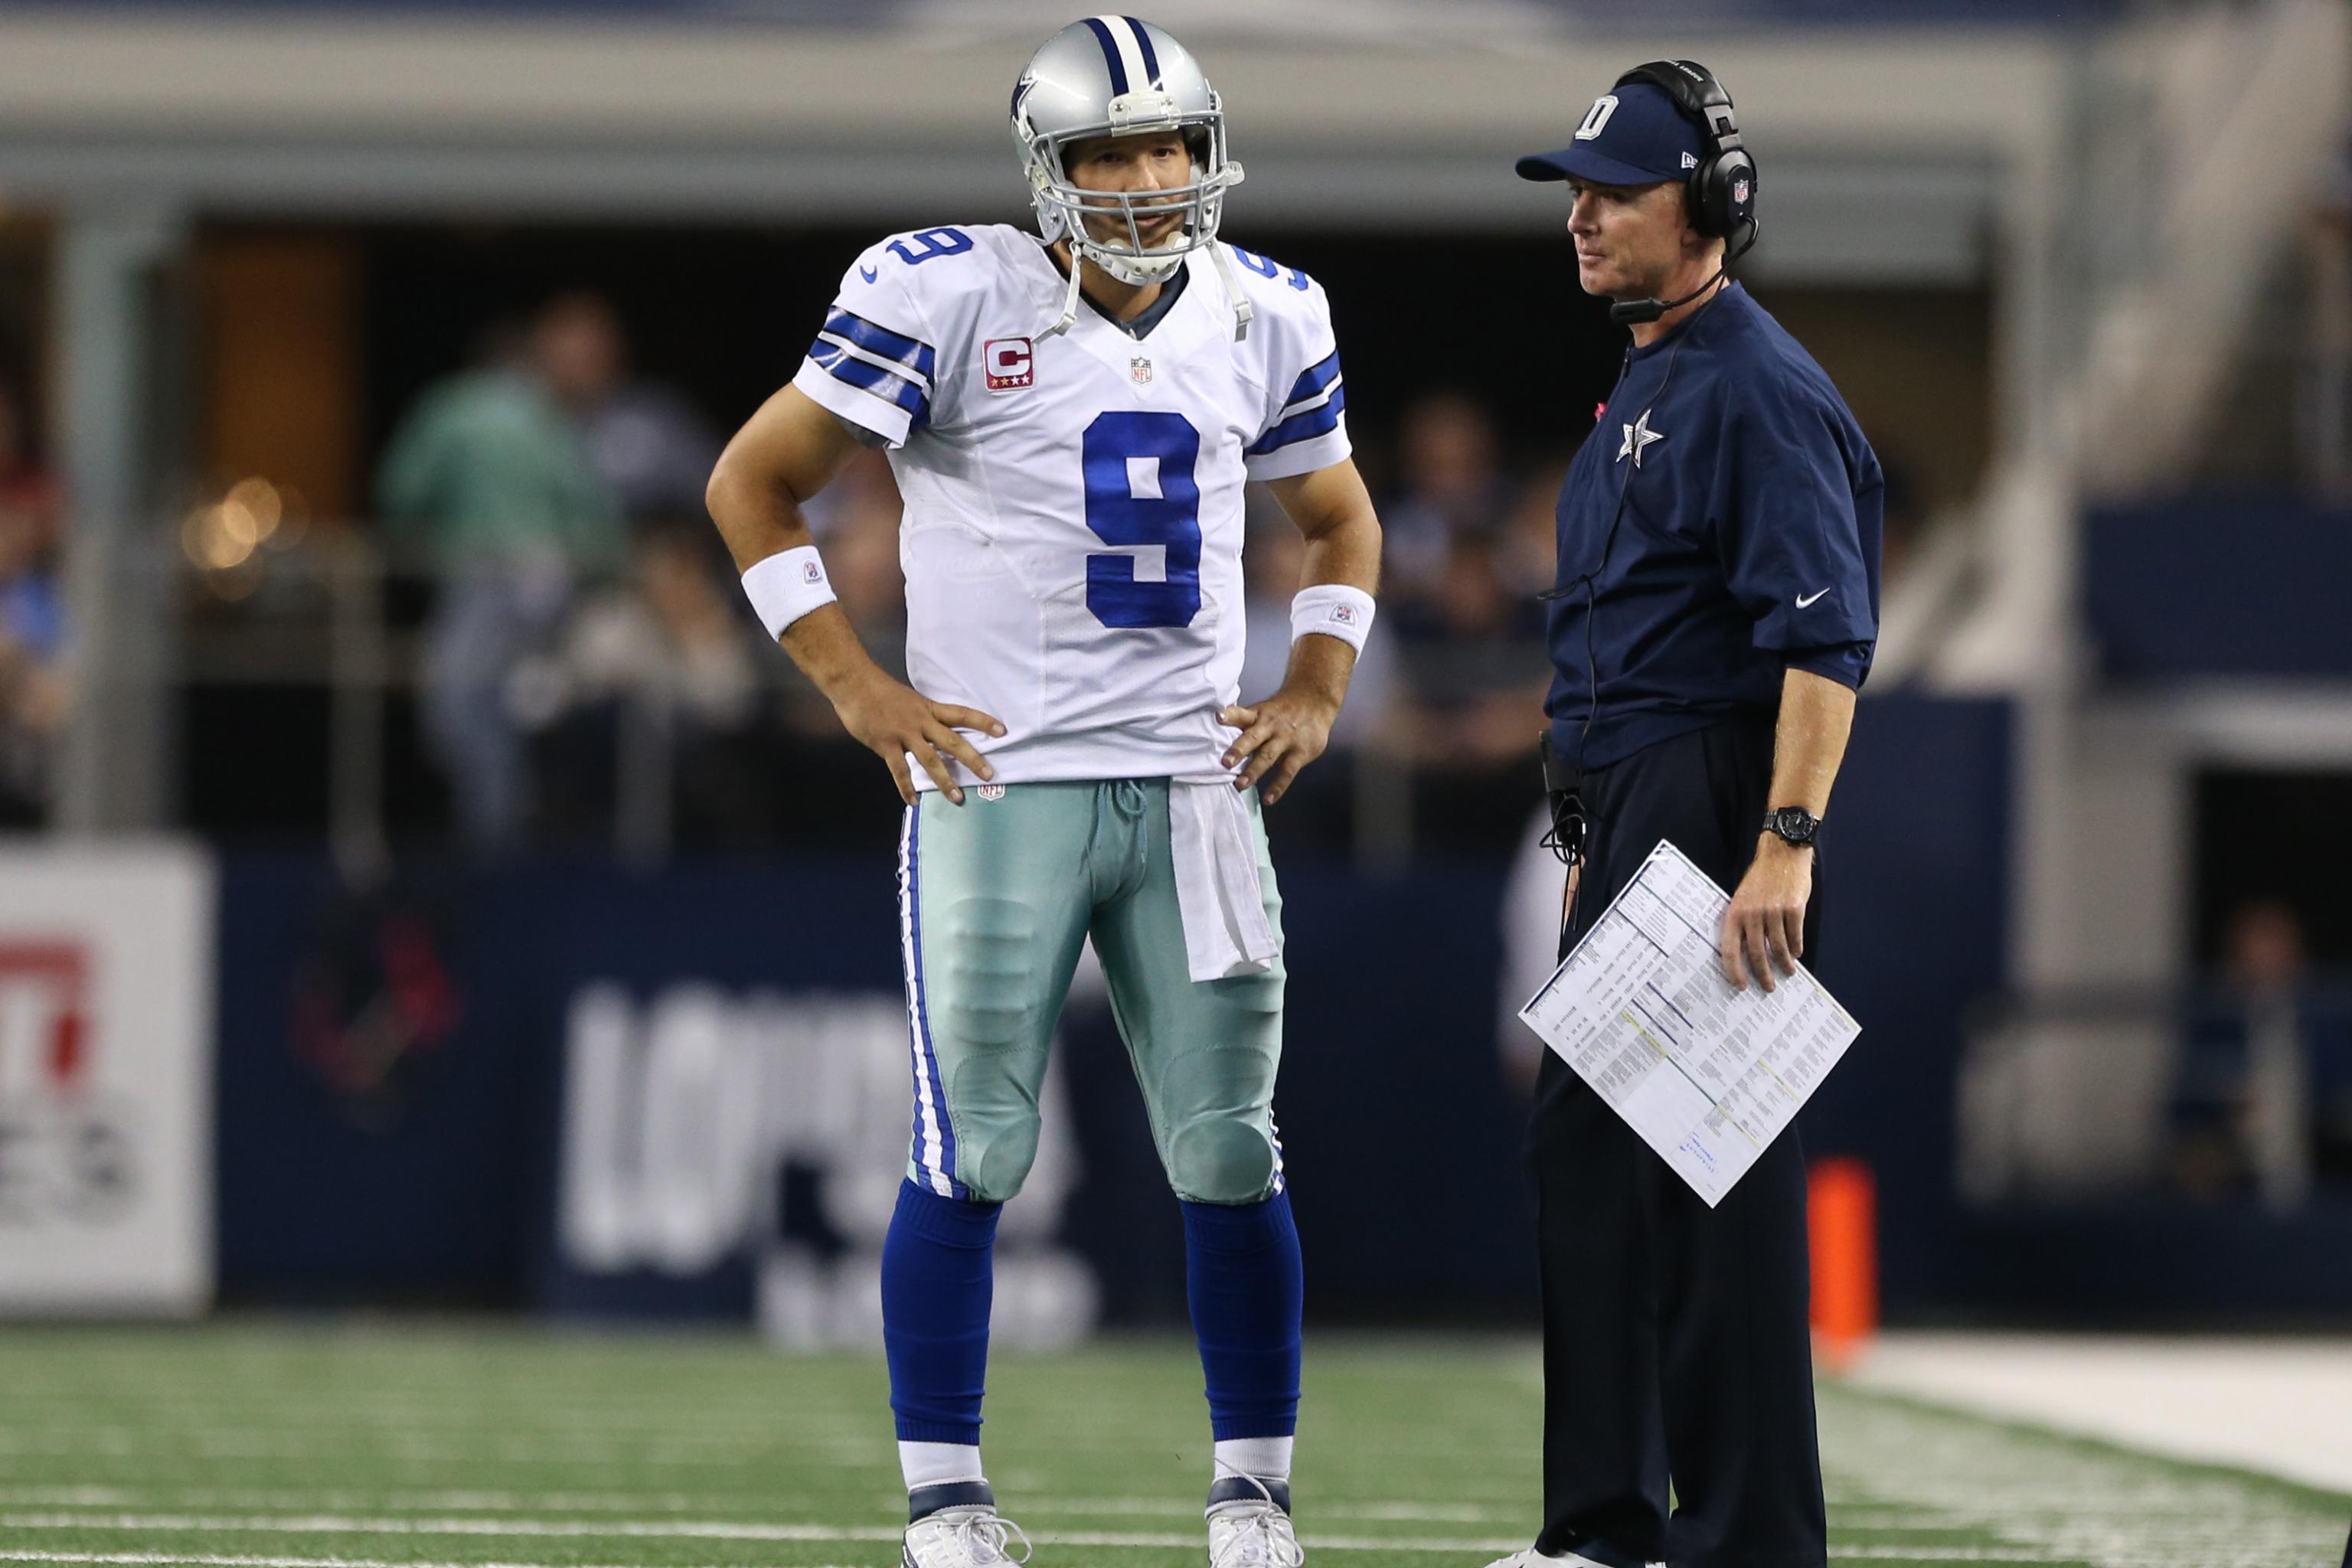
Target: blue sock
{"points": [[936, 1286], [1245, 1285]]}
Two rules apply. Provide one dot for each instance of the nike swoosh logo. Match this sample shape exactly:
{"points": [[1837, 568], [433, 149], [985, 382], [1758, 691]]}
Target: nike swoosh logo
{"points": [[868, 274], [1808, 598]]}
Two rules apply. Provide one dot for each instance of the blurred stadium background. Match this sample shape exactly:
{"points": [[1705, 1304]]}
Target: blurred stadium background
{"points": [[349, 967]]}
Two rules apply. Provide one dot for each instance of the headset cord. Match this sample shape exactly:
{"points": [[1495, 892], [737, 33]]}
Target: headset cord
{"points": [[1569, 821]]}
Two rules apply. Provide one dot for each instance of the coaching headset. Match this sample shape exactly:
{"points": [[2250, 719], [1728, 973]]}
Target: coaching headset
{"points": [[1721, 192]]}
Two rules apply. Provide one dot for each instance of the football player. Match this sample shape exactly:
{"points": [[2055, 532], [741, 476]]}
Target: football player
{"points": [[1072, 416]]}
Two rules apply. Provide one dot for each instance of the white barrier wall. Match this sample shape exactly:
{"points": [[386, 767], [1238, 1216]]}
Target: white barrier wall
{"points": [[106, 1080]]}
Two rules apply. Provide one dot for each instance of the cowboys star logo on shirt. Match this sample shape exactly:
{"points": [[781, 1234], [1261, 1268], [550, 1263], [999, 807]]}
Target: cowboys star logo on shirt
{"points": [[1638, 436]]}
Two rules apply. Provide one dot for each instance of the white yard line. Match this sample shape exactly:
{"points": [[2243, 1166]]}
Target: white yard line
{"points": [[2071, 1504], [128, 1445], [709, 1529], [208, 1560], [1386, 1511]]}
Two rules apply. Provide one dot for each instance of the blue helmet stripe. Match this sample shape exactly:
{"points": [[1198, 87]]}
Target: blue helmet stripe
{"points": [[1110, 54], [1150, 56]]}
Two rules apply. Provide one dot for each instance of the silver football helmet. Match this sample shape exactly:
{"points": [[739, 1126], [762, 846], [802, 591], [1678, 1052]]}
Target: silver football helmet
{"points": [[1116, 76]]}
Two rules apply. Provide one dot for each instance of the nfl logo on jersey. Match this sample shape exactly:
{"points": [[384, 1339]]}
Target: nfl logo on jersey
{"points": [[1139, 368]]}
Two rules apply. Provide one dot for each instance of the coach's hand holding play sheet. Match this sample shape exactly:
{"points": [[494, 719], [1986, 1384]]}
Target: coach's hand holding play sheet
{"points": [[1709, 1075]]}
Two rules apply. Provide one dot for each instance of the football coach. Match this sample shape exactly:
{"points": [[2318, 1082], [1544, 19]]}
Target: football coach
{"points": [[1714, 612]]}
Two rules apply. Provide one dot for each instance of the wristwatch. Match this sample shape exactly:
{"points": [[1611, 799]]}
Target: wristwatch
{"points": [[1794, 824]]}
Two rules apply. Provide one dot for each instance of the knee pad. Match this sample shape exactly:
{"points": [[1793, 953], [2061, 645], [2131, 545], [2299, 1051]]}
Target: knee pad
{"points": [[994, 1151], [1221, 1159]]}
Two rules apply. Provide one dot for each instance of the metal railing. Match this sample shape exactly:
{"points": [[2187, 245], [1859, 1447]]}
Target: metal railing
{"points": [[324, 608]]}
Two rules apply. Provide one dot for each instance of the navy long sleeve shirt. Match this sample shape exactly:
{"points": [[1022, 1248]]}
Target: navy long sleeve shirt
{"points": [[1719, 527]]}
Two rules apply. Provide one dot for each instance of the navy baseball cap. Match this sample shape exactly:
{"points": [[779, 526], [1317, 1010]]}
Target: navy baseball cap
{"points": [[1632, 135]]}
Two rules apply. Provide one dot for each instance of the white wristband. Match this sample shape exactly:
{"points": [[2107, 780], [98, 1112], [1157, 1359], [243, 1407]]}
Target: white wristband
{"points": [[787, 585], [1332, 610]]}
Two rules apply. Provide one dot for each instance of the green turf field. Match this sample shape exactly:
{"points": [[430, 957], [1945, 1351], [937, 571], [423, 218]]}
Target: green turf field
{"points": [[275, 1447]]}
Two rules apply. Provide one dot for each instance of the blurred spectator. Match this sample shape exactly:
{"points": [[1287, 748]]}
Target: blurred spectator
{"points": [[34, 693], [2268, 968], [1475, 652], [652, 449], [2243, 1112], [489, 475], [658, 682], [1529, 560], [672, 640], [1451, 485]]}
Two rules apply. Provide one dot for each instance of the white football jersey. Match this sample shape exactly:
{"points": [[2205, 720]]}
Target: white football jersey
{"points": [[1073, 532]]}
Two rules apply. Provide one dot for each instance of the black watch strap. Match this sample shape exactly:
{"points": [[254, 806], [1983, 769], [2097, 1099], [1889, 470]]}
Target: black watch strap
{"points": [[1794, 824]]}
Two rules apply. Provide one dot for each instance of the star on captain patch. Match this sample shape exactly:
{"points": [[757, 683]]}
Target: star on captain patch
{"points": [[1638, 435]]}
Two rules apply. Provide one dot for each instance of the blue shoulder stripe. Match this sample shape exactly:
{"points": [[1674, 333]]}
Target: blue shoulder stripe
{"points": [[1319, 420], [1110, 53], [1314, 379], [879, 339], [887, 385]]}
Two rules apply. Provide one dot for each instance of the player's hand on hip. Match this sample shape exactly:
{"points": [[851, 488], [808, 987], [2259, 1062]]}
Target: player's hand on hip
{"points": [[1764, 929], [894, 721], [1278, 737]]}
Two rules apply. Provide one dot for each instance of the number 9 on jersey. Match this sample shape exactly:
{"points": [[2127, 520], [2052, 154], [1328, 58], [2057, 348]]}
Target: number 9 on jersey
{"points": [[1141, 490]]}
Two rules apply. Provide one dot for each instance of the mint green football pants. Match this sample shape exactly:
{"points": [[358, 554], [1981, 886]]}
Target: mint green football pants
{"points": [[997, 899]]}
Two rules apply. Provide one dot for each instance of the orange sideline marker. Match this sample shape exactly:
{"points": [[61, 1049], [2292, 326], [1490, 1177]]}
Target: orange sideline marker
{"points": [[1841, 1207]]}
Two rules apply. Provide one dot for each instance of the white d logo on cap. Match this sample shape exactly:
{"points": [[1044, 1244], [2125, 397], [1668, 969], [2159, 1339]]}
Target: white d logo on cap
{"points": [[1597, 117]]}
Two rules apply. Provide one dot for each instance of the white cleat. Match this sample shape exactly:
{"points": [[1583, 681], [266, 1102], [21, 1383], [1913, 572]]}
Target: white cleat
{"points": [[1532, 1558], [971, 1535], [1249, 1526]]}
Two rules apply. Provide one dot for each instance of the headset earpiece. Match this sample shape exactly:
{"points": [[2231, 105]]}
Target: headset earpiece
{"points": [[1722, 189]]}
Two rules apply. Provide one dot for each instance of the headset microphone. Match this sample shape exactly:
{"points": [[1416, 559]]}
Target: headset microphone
{"points": [[1637, 313]]}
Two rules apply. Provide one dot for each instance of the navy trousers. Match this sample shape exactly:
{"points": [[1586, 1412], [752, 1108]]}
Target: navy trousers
{"points": [[1676, 1347]]}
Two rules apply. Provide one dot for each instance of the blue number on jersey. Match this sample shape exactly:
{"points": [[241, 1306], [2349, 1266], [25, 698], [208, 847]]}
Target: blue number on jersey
{"points": [[1140, 490], [1266, 267], [938, 242]]}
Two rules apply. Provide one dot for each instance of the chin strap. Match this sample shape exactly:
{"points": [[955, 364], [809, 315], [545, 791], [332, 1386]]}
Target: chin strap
{"points": [[1069, 317], [1244, 312]]}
